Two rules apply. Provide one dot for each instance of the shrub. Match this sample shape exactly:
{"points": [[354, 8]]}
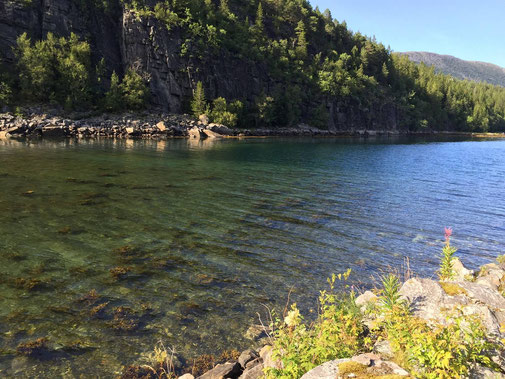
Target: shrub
{"points": [[113, 97], [54, 68], [5, 93], [337, 333], [221, 112], [134, 90]]}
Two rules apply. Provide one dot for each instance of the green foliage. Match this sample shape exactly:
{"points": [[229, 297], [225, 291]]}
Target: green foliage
{"points": [[305, 57], [114, 98], [5, 93], [130, 94], [225, 114], [437, 351], [54, 68], [199, 104], [446, 271], [390, 299], [335, 334], [134, 90]]}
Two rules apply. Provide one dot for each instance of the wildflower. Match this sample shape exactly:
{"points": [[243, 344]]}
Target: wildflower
{"points": [[293, 317], [448, 233]]}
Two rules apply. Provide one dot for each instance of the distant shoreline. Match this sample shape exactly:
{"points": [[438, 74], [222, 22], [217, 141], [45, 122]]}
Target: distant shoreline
{"points": [[168, 126]]}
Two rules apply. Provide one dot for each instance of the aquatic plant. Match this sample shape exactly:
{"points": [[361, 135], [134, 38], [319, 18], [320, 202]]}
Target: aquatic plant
{"points": [[446, 271], [119, 272], [33, 348]]}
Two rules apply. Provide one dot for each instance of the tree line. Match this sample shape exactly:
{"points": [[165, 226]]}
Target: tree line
{"points": [[312, 58]]}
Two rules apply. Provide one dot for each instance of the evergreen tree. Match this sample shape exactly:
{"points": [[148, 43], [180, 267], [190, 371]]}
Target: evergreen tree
{"points": [[199, 104]]}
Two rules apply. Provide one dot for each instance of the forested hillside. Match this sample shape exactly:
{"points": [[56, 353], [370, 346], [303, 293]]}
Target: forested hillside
{"points": [[269, 63], [459, 68]]}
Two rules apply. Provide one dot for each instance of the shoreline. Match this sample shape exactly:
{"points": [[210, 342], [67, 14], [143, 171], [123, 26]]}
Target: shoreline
{"points": [[448, 304], [169, 126]]}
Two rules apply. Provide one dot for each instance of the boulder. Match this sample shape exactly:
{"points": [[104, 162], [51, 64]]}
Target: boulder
{"points": [[161, 126], [225, 370], [254, 372], [187, 376], [247, 356], [194, 133], [461, 272], [365, 365], [268, 361], [204, 119], [211, 134], [366, 298], [53, 131]]}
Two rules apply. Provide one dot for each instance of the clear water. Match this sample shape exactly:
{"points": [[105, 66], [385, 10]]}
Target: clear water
{"points": [[215, 230]]}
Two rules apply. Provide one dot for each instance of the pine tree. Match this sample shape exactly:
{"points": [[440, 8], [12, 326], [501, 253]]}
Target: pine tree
{"points": [[113, 97], [199, 104]]}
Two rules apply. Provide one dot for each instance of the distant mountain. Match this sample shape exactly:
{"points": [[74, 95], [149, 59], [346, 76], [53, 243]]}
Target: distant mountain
{"points": [[476, 71]]}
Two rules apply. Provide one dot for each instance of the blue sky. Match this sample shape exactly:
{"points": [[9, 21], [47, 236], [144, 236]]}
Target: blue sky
{"points": [[471, 30]]}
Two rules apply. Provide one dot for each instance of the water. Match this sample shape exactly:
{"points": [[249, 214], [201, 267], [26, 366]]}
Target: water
{"points": [[208, 233]]}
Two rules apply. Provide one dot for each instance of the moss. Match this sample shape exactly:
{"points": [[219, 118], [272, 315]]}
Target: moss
{"points": [[453, 289], [501, 259], [351, 367]]}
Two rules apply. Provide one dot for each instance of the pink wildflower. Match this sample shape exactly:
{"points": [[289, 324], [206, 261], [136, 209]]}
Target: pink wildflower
{"points": [[448, 233]]}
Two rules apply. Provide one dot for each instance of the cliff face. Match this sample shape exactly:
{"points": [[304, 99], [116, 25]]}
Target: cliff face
{"points": [[124, 39]]}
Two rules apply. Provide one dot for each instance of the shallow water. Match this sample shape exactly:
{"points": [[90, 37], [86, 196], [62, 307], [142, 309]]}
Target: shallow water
{"points": [[208, 233]]}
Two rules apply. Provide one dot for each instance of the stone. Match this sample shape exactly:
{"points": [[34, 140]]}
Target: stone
{"points": [[460, 271], [53, 131], [204, 119], [187, 376], [367, 359], [480, 372], [366, 298], [383, 348], [253, 363], [161, 126], [377, 368], [328, 370], [194, 133], [491, 278], [268, 361], [130, 130], [483, 294], [211, 134], [225, 370], [254, 372], [247, 356]]}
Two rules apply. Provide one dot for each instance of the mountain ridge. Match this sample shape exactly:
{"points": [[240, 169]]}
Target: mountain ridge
{"points": [[477, 71]]}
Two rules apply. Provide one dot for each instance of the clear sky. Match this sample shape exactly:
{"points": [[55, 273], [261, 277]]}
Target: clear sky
{"points": [[468, 29]]}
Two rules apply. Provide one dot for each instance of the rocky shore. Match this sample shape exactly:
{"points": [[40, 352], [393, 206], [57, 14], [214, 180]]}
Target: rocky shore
{"points": [[470, 293], [38, 124]]}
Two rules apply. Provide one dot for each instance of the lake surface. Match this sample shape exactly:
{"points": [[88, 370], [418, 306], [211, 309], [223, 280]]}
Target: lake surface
{"points": [[108, 247]]}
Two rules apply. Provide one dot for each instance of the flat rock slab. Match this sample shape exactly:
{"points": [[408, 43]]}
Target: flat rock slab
{"points": [[372, 363], [226, 370]]}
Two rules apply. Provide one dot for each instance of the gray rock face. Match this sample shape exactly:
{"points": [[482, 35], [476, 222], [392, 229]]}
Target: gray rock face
{"points": [[430, 302]]}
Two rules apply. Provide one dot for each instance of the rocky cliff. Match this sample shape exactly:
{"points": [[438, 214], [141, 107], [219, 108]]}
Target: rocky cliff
{"points": [[123, 39]]}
